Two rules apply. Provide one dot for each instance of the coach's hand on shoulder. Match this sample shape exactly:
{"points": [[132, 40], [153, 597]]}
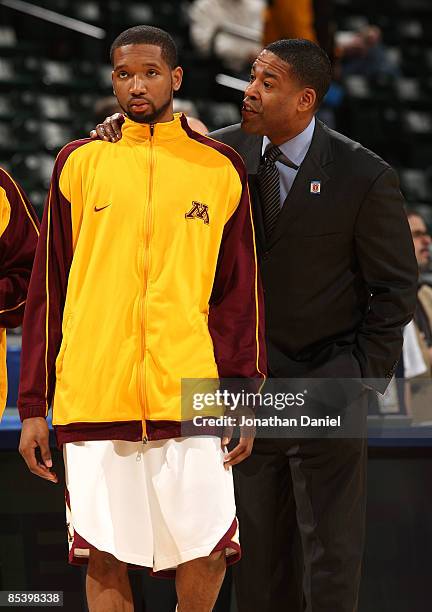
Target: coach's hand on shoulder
{"points": [[110, 129], [241, 416], [35, 435]]}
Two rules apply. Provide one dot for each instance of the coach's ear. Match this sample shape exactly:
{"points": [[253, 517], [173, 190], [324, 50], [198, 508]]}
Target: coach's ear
{"points": [[110, 129]]}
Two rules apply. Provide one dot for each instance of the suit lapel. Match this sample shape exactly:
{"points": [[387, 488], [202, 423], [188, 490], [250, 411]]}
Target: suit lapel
{"points": [[251, 153], [312, 169]]}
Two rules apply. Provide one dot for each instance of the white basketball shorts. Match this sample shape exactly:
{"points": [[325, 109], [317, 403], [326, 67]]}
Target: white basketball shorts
{"points": [[155, 505]]}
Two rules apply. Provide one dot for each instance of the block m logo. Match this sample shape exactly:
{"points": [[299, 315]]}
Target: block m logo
{"points": [[198, 211]]}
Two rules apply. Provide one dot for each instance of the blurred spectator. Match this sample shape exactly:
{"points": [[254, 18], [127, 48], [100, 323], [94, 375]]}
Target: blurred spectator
{"points": [[415, 367], [190, 110], [358, 52], [418, 347], [187, 107], [105, 107], [421, 239], [310, 19], [289, 19], [362, 52], [423, 315], [211, 21]]}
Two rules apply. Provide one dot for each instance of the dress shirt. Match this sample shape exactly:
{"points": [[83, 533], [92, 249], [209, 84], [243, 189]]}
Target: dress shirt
{"points": [[295, 149]]}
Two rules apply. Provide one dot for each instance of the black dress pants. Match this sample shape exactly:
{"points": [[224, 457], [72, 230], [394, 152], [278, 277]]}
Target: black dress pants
{"points": [[301, 507]]}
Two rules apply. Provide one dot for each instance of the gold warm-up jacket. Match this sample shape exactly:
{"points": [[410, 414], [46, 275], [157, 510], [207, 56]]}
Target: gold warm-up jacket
{"points": [[145, 274]]}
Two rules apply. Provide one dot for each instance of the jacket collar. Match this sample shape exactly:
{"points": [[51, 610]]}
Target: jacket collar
{"points": [[319, 151], [251, 152], [296, 148], [141, 132]]}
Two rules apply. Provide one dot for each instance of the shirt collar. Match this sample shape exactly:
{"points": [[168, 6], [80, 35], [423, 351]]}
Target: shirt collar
{"points": [[296, 148]]}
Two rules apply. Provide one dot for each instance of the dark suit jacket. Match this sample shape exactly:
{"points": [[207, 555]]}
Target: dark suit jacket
{"points": [[339, 273]]}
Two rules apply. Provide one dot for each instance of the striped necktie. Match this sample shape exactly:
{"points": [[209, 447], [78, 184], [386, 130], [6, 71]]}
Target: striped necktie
{"points": [[268, 186]]}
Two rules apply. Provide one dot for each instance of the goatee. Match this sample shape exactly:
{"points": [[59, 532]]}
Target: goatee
{"points": [[151, 117]]}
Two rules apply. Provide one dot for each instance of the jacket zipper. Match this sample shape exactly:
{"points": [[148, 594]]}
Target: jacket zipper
{"points": [[146, 266]]}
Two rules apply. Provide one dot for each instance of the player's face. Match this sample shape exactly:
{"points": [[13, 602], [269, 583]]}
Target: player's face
{"points": [[275, 104], [144, 83], [421, 239]]}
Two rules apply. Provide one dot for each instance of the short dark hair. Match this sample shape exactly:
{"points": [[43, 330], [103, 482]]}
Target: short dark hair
{"points": [[308, 62], [148, 35], [412, 212]]}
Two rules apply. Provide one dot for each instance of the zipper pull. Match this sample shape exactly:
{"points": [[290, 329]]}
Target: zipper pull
{"points": [[152, 127], [145, 440]]}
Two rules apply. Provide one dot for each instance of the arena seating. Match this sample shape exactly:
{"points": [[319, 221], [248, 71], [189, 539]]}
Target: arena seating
{"points": [[50, 79]]}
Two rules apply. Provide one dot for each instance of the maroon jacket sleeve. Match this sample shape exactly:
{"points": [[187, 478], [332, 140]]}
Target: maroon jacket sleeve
{"points": [[17, 248], [236, 317], [42, 329]]}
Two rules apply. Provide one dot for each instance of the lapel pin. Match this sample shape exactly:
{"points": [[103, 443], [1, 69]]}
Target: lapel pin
{"points": [[315, 187]]}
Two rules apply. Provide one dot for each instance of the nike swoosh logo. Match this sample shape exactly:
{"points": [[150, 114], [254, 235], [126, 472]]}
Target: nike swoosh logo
{"points": [[98, 208]]}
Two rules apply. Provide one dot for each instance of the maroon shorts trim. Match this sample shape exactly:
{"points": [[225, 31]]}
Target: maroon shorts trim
{"points": [[225, 543], [79, 548]]}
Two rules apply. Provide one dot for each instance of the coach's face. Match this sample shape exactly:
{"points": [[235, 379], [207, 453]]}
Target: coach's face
{"points": [[144, 83], [276, 105]]}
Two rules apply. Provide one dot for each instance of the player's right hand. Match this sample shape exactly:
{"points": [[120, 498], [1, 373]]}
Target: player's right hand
{"points": [[35, 434], [110, 129]]}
